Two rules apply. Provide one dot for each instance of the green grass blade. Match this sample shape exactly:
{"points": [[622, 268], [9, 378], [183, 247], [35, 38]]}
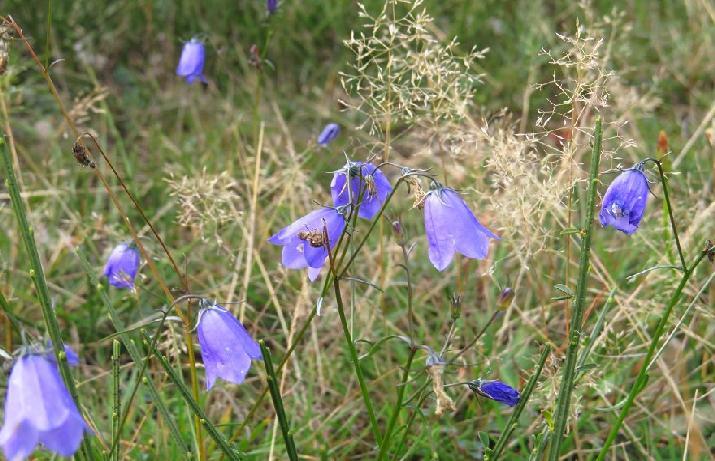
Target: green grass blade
{"points": [[278, 402], [38, 277], [193, 404]]}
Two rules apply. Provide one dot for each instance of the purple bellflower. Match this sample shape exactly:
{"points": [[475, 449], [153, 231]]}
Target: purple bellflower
{"points": [[451, 226], [226, 347], [329, 133], [191, 62], [122, 266], [625, 200], [271, 6], [495, 390], [304, 242], [40, 409], [362, 176]]}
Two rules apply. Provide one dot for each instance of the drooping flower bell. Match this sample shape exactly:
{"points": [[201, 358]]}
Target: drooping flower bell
{"points": [[226, 347], [625, 201], [271, 6], [365, 178], [191, 62], [451, 226], [305, 242], [39, 409], [495, 390], [329, 133], [122, 266]]}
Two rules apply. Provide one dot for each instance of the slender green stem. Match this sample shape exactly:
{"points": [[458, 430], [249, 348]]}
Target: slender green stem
{"points": [[278, 402], [38, 277], [583, 356], [642, 377], [422, 393], [138, 359], [356, 362], [193, 404], [514, 419], [116, 403], [398, 406], [326, 286], [568, 375], [666, 196]]}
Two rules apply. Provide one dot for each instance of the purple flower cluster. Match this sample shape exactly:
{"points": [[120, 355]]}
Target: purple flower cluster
{"points": [[39, 409], [449, 223]]}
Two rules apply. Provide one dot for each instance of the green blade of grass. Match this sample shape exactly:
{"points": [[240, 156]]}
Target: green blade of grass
{"points": [[38, 277], [193, 404], [278, 402]]}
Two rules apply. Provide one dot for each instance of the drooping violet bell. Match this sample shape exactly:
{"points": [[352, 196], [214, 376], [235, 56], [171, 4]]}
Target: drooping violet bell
{"points": [[191, 62], [122, 266], [226, 347], [305, 242], [366, 180], [452, 227], [625, 201], [39, 409]]}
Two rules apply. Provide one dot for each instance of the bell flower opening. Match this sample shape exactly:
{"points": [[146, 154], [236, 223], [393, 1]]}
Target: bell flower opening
{"points": [[191, 62], [39, 410], [495, 390], [226, 347], [122, 266], [452, 227], [365, 179], [625, 201], [305, 242]]}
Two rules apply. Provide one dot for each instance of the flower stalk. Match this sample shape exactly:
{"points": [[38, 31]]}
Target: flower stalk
{"points": [[278, 402], [567, 379], [38, 277], [642, 377]]}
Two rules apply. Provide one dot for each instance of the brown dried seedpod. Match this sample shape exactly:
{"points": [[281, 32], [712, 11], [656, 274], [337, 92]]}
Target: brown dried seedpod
{"points": [[81, 154]]}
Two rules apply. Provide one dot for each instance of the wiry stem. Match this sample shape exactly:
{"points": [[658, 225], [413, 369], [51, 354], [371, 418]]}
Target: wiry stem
{"points": [[523, 399], [666, 196], [568, 374], [398, 405], [642, 377], [354, 357], [38, 277], [278, 402], [157, 275]]}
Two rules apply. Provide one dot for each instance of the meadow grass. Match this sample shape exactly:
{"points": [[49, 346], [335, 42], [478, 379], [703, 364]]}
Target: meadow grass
{"points": [[217, 170]]}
